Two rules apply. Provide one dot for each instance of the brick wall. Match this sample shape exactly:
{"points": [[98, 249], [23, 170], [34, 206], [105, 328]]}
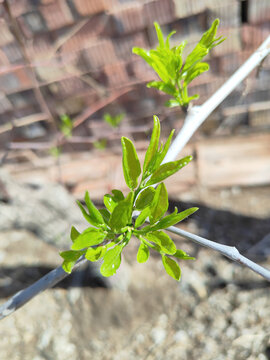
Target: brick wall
{"points": [[70, 39]]}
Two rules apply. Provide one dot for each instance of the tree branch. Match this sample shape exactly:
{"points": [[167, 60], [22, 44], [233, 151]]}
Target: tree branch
{"points": [[229, 251], [46, 282]]}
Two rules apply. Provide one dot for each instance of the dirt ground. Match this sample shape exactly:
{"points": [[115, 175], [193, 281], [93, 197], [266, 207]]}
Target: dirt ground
{"points": [[219, 310]]}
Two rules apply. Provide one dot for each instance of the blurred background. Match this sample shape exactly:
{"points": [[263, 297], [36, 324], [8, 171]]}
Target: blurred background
{"points": [[70, 87]]}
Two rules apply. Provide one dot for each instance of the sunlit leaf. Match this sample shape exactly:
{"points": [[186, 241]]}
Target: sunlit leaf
{"points": [[171, 267], [94, 215], [153, 146], [94, 254], [145, 198], [131, 164], [173, 219], [163, 241], [168, 169], [159, 205], [143, 253], [110, 201], [74, 233], [180, 254], [88, 237], [121, 215], [111, 261]]}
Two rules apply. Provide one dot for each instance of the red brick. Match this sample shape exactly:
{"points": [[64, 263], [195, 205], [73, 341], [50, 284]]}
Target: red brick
{"points": [[15, 81], [6, 36], [228, 13], [253, 36], [90, 31], [128, 18], [13, 53], [116, 74], [258, 11], [161, 11], [90, 7], [57, 15], [123, 46], [184, 8], [100, 53], [32, 23]]}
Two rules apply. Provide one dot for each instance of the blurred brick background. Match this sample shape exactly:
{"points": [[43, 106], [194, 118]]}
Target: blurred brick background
{"points": [[75, 57]]}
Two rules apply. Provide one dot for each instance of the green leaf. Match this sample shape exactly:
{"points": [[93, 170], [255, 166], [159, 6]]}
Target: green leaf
{"points": [[159, 205], [112, 261], [122, 213], [142, 217], [145, 197], [143, 253], [161, 155], [144, 54], [70, 257], [171, 267], [94, 215], [167, 170], [74, 233], [163, 241], [106, 215], [195, 71], [180, 254], [88, 237], [168, 39], [131, 164], [159, 35], [172, 103], [94, 254], [167, 88], [153, 146], [173, 219], [85, 214], [110, 201]]}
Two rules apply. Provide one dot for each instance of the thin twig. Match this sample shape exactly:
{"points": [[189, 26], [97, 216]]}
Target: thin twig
{"points": [[46, 282], [229, 251]]}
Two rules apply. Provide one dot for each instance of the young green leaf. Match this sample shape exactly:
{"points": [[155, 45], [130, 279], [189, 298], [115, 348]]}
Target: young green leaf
{"points": [[143, 253], [94, 215], [161, 154], [70, 257], [74, 233], [94, 254], [131, 164], [195, 71], [121, 215], [85, 214], [163, 241], [112, 261], [142, 217], [180, 254], [153, 146], [110, 201], [106, 215], [159, 85], [173, 219], [171, 267], [167, 170], [88, 237], [159, 204], [159, 35], [145, 198]]}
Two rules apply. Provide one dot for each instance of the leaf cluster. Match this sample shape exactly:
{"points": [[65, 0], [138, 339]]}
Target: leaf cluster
{"points": [[113, 226], [113, 121], [66, 126], [176, 74]]}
